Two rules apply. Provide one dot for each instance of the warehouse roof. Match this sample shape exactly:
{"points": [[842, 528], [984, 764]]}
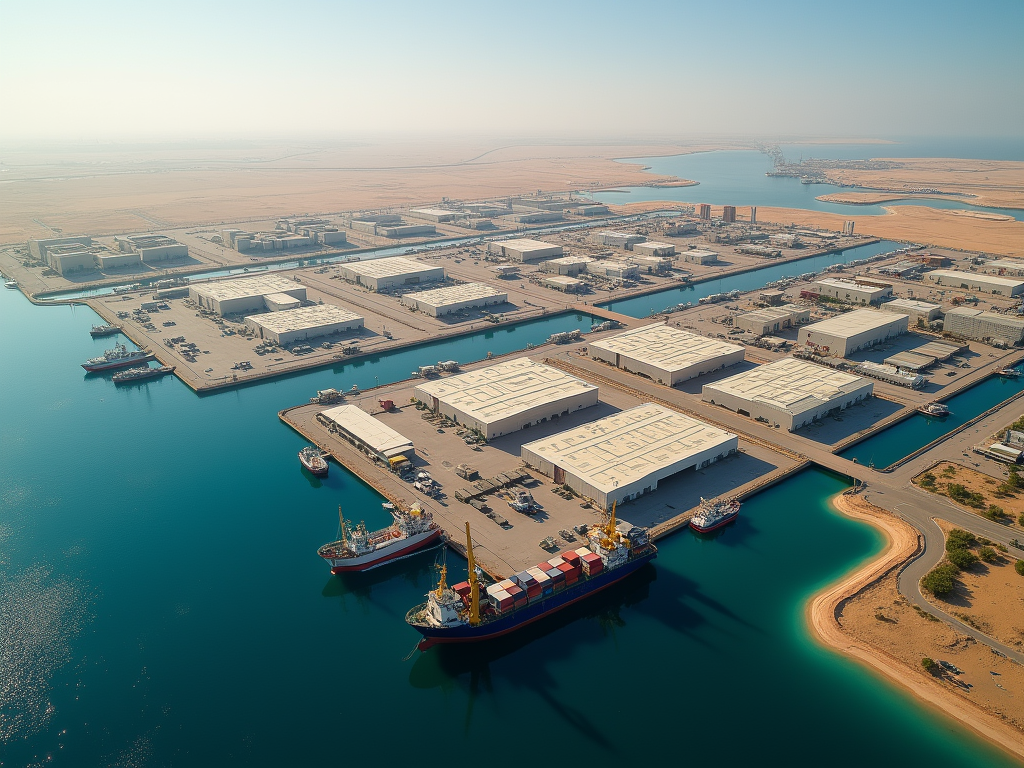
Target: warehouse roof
{"points": [[848, 285], [288, 320], [570, 260], [391, 267], [969, 276], [434, 211], [526, 244], [453, 294], [260, 285], [369, 430], [505, 389], [920, 306], [1005, 264], [993, 317], [656, 244], [628, 446], [665, 347], [789, 384], [851, 323]]}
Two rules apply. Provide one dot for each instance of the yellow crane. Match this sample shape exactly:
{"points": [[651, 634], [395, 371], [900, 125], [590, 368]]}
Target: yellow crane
{"points": [[474, 585], [611, 535], [341, 520]]}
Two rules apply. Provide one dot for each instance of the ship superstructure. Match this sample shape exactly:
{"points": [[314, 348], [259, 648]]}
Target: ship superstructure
{"points": [[118, 357], [360, 549]]}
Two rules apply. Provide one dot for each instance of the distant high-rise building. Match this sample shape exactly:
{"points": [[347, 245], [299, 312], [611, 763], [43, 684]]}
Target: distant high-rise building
{"points": [[848, 227], [753, 214], [729, 214], [705, 212]]}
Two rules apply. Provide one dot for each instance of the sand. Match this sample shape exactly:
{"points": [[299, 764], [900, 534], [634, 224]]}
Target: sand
{"points": [[977, 482], [844, 618]]}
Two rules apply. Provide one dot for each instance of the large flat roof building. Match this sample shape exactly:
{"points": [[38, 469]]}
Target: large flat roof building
{"points": [[652, 248], [768, 320], [395, 272], [454, 298], [1012, 267], [851, 291], [524, 249], [626, 455], [665, 354], [984, 326], [700, 256], [438, 215], [507, 397], [844, 334], [231, 297], [1000, 286], [913, 308], [291, 325], [566, 265], [788, 393], [616, 239], [366, 433]]}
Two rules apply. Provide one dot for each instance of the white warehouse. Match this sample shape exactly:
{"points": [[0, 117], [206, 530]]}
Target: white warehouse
{"points": [[626, 455], [981, 326], [566, 265], [789, 393], [1000, 286], [853, 292], [768, 320], [617, 239], [524, 249], [248, 294], [849, 332], [380, 274], [507, 397], [367, 433], [665, 354], [913, 308], [293, 325], [651, 248], [454, 298]]}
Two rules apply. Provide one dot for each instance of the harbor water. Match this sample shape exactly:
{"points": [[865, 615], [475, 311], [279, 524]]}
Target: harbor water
{"points": [[161, 603]]}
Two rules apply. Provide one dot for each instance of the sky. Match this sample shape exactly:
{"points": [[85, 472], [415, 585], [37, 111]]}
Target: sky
{"points": [[159, 70]]}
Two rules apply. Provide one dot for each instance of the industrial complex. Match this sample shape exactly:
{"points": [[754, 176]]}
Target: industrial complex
{"points": [[455, 298], [666, 354], [625, 455], [849, 332], [368, 434], [247, 294], [524, 249], [291, 325], [395, 272]]}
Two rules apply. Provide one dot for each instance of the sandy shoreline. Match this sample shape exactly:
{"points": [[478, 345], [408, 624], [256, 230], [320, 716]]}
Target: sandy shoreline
{"points": [[902, 543]]}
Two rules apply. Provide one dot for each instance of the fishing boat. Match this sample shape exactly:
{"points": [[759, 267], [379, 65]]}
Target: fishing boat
{"points": [[313, 459], [460, 614], [934, 409], [712, 515], [1008, 373], [361, 550]]}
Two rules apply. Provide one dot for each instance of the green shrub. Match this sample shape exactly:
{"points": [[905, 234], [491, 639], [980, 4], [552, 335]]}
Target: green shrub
{"points": [[949, 471], [961, 494], [1019, 567], [928, 664], [959, 539], [962, 558], [941, 579], [927, 481], [987, 555], [1020, 520], [994, 513]]}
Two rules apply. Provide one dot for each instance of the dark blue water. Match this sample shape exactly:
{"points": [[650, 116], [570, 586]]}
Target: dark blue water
{"points": [[642, 306], [892, 444], [162, 604], [738, 178]]}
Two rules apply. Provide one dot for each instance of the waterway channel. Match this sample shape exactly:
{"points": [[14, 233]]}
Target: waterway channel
{"points": [[162, 603]]}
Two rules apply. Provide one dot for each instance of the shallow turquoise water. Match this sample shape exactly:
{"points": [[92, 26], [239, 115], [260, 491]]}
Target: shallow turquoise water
{"points": [[163, 604], [738, 178], [902, 439]]}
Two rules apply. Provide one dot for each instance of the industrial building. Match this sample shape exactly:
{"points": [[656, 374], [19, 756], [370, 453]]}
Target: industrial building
{"points": [[536, 217], [984, 326], [762, 322], [652, 264], [626, 455], [108, 261], [665, 354], [566, 265], [248, 294], [615, 270], [562, 283], [680, 228], [914, 309], [395, 272], [910, 360], [291, 325], [699, 256], [789, 393], [152, 248], [652, 248], [853, 292], [437, 215], [1012, 267], [368, 434], [1000, 286], [507, 397], [454, 298], [524, 249], [38, 248], [616, 239], [844, 334], [396, 231]]}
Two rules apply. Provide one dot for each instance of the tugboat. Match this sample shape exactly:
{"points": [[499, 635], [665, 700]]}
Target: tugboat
{"points": [[313, 459], [458, 614], [1008, 373], [104, 330], [118, 357], [934, 409], [712, 515], [141, 374], [361, 550]]}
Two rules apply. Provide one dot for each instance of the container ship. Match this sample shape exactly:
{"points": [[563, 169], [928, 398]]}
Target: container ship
{"points": [[141, 374], [118, 357], [712, 515], [361, 550], [313, 459], [459, 614]]}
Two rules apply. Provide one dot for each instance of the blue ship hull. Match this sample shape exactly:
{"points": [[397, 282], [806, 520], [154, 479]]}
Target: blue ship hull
{"points": [[511, 621]]}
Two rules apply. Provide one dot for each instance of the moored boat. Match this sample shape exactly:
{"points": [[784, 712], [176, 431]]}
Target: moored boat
{"points": [[459, 614], [11, 284], [118, 357], [141, 374], [312, 458], [712, 515], [934, 409], [361, 550], [1008, 372], [104, 330]]}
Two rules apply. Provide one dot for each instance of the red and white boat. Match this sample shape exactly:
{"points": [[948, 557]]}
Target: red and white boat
{"points": [[312, 458], [360, 550], [712, 515]]}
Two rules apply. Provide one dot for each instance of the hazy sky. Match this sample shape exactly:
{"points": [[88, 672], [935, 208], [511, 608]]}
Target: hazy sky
{"points": [[90, 69]]}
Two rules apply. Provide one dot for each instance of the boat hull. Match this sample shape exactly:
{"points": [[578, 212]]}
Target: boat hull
{"points": [[111, 365], [521, 617], [720, 524], [401, 548], [320, 471]]}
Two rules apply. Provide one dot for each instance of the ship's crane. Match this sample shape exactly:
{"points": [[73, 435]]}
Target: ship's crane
{"points": [[474, 585]]}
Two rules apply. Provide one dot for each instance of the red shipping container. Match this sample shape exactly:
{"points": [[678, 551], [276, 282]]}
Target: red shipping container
{"points": [[516, 591], [593, 568], [462, 588], [565, 568], [532, 590], [571, 558], [506, 604], [571, 578]]}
